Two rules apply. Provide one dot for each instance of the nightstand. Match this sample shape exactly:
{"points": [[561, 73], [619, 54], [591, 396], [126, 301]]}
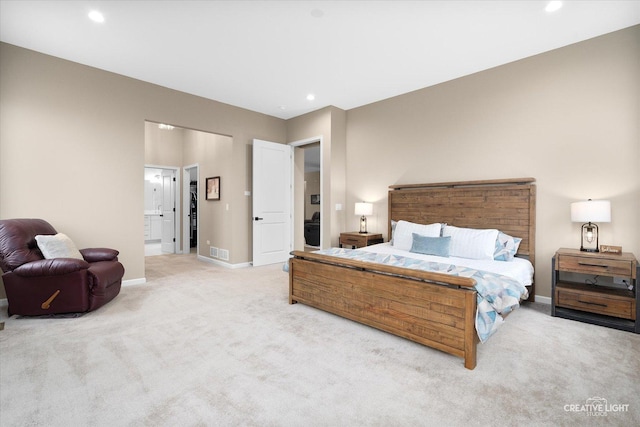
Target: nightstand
{"points": [[583, 289], [359, 240]]}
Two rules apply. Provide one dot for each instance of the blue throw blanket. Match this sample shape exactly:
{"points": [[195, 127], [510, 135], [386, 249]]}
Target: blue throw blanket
{"points": [[497, 294]]}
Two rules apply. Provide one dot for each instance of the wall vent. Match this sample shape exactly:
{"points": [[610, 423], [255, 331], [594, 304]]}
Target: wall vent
{"points": [[213, 252], [223, 254]]}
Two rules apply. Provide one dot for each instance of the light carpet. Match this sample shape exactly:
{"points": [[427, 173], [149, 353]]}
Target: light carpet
{"points": [[201, 345]]}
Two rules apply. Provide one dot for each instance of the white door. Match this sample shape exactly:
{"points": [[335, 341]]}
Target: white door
{"points": [[271, 202], [168, 211]]}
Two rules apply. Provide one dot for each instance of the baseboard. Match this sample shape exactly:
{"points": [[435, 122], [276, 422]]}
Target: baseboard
{"points": [[132, 282], [543, 300], [222, 263]]}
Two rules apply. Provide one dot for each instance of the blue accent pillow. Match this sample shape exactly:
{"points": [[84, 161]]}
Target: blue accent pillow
{"points": [[506, 247], [438, 246]]}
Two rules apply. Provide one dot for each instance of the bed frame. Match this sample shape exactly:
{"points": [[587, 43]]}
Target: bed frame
{"points": [[433, 309]]}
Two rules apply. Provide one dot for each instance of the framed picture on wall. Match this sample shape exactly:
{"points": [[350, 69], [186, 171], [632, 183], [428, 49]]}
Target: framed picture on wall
{"points": [[315, 199], [213, 188]]}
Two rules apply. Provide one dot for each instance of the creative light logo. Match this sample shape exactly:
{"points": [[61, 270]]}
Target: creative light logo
{"points": [[596, 407]]}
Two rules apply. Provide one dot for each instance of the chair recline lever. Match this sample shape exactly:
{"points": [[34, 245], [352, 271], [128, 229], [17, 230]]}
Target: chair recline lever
{"points": [[45, 305]]}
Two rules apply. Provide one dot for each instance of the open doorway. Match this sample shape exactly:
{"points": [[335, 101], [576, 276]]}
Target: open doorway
{"points": [[307, 182], [160, 202], [312, 196], [200, 226]]}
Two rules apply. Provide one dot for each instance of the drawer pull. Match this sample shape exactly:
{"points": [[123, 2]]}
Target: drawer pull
{"points": [[593, 265], [592, 303]]}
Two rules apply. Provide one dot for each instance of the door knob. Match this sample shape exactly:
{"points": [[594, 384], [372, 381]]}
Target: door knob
{"points": [[258, 218]]}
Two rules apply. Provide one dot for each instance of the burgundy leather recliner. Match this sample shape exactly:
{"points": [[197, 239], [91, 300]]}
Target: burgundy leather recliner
{"points": [[37, 286]]}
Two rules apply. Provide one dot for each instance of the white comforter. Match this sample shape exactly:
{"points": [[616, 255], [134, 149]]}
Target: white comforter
{"points": [[519, 269]]}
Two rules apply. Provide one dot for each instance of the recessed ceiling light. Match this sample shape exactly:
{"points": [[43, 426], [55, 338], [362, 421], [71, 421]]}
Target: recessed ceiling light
{"points": [[552, 6], [96, 16], [311, 97]]}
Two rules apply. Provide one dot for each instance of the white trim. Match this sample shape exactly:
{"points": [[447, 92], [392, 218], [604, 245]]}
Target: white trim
{"points": [[185, 207], [543, 300], [134, 282], [177, 232], [186, 244], [300, 143], [307, 141], [222, 263], [147, 165]]}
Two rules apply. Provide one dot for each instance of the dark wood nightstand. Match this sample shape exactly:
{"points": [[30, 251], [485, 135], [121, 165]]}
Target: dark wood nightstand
{"points": [[578, 294], [359, 240]]}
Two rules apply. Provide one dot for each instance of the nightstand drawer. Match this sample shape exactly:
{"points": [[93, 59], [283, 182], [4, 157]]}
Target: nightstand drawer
{"points": [[353, 241], [596, 302], [359, 240], [598, 266]]}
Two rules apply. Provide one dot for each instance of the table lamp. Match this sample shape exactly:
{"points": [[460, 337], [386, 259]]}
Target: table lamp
{"points": [[588, 212], [364, 209]]}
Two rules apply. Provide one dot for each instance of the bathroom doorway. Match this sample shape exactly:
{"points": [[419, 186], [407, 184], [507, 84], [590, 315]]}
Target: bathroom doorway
{"points": [[160, 201]]}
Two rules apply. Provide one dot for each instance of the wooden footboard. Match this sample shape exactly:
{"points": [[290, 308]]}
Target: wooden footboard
{"points": [[433, 309]]}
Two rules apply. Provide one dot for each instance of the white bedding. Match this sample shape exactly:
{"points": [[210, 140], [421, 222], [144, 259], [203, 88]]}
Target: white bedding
{"points": [[519, 269]]}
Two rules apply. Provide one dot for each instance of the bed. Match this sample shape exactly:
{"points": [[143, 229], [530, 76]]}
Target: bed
{"points": [[438, 309]]}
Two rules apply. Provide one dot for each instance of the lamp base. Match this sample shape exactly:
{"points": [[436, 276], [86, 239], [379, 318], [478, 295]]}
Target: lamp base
{"points": [[589, 239], [363, 224]]}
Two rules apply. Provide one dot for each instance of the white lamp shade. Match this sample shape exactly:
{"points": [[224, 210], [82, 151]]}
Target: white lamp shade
{"points": [[364, 208], [591, 211]]}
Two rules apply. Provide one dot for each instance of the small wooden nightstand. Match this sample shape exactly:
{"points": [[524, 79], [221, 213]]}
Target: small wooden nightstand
{"points": [[575, 294], [359, 240]]}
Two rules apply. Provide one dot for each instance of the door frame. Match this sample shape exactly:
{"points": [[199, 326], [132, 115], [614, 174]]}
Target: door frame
{"points": [[177, 233], [186, 201], [297, 144]]}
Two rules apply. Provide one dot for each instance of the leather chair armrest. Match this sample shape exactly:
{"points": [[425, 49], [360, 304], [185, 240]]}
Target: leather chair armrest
{"points": [[99, 254], [51, 267]]}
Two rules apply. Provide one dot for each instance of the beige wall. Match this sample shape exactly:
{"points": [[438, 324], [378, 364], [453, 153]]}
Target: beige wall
{"points": [[568, 118], [72, 147], [163, 147], [212, 154]]}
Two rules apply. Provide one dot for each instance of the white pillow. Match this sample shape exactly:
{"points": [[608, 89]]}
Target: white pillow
{"points": [[57, 246], [403, 236], [470, 242]]}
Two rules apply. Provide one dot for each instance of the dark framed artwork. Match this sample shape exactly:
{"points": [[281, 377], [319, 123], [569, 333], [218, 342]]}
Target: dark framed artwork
{"points": [[213, 188], [315, 199]]}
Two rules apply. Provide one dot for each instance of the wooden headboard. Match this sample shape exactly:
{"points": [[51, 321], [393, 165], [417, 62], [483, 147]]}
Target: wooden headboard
{"points": [[508, 205]]}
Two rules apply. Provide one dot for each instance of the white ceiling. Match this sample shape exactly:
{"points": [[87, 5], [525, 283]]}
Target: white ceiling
{"points": [[266, 56]]}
